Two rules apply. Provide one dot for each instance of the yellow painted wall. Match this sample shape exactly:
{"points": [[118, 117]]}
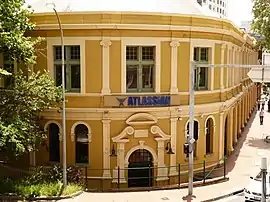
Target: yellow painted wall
{"points": [[217, 71], [183, 66], [115, 64], [165, 72], [93, 62]]}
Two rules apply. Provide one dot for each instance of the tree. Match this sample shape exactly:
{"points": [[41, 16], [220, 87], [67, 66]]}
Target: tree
{"points": [[20, 109], [14, 22], [261, 23]]}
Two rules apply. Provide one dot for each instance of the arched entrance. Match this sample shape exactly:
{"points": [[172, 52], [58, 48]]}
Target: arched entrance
{"points": [[225, 137], [140, 172]]}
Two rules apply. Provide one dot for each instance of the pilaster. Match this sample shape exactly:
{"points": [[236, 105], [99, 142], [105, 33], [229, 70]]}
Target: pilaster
{"points": [[221, 134], [106, 43], [174, 66], [106, 148], [223, 47], [162, 169], [173, 145]]}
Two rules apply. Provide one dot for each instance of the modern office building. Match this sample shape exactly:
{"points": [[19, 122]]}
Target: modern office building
{"points": [[220, 7], [127, 81]]}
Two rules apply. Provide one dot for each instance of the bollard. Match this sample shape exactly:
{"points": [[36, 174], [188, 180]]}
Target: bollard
{"points": [[204, 172], [179, 173], [118, 178]]}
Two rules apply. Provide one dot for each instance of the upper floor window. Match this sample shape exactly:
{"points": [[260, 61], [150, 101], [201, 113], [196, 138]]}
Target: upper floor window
{"points": [[140, 67], [72, 67], [201, 55]]}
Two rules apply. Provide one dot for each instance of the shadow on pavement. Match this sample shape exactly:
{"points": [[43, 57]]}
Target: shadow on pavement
{"points": [[258, 143], [231, 161]]}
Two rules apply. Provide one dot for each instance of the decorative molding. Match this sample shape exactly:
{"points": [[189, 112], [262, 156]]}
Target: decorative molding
{"points": [[55, 122], [157, 131], [106, 43], [127, 131], [214, 123], [149, 119], [73, 127]]}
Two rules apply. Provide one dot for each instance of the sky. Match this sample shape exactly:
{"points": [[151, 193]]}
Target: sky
{"points": [[240, 10]]}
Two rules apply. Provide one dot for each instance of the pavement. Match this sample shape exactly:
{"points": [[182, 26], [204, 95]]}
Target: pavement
{"points": [[241, 164]]}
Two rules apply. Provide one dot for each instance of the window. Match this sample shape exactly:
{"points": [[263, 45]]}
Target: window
{"points": [[195, 136], [140, 67], [201, 55], [72, 67], [54, 143], [218, 1], [82, 143], [210, 7], [209, 136]]}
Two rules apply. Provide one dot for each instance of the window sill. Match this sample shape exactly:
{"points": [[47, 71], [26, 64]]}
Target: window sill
{"points": [[209, 155], [82, 164]]}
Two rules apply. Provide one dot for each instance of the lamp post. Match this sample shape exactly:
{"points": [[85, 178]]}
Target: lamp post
{"points": [[52, 5], [264, 174]]}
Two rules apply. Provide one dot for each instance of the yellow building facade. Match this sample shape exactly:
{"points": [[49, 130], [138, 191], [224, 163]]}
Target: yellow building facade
{"points": [[127, 81]]}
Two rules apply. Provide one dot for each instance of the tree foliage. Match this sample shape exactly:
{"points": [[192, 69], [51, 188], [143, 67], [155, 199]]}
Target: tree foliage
{"points": [[261, 21], [14, 22], [20, 108]]}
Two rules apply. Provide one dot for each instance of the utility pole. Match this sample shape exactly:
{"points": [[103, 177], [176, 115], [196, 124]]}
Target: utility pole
{"points": [[264, 174]]}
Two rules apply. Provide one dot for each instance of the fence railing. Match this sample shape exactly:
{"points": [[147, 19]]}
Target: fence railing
{"points": [[152, 177], [137, 177]]}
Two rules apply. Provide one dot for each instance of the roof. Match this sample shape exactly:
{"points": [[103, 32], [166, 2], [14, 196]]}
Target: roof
{"points": [[190, 7]]}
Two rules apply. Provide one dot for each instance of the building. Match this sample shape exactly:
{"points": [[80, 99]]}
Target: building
{"points": [[216, 6], [127, 86], [246, 25]]}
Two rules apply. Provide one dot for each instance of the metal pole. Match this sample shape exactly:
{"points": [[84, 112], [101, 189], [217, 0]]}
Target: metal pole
{"points": [[264, 173], [64, 103], [191, 128]]}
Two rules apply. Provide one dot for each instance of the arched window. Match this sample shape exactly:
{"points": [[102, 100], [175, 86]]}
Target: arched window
{"points": [[195, 135], [209, 136], [54, 143], [82, 143]]}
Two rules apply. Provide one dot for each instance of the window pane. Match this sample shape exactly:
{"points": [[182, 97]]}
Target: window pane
{"points": [[75, 76], [132, 53], [58, 75], [203, 77], [81, 152], [132, 76], [148, 53], [196, 54], [147, 76], [75, 52], [58, 53], [204, 54]]}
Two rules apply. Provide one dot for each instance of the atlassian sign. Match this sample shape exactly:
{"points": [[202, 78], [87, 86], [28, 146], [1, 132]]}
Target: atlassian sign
{"points": [[145, 101]]}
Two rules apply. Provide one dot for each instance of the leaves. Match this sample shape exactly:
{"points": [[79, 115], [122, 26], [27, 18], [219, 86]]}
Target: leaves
{"points": [[20, 108], [261, 21], [14, 22]]}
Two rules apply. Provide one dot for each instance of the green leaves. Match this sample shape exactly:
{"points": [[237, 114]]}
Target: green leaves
{"points": [[20, 108], [14, 22], [261, 21]]}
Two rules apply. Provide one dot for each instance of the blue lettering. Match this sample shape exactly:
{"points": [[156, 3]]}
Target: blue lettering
{"points": [[130, 101], [149, 101], [144, 101]]}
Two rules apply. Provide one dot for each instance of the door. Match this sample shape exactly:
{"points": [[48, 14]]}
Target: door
{"points": [[140, 169]]}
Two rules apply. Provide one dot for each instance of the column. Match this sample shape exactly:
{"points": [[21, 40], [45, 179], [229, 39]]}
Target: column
{"points": [[121, 159], [243, 114], [173, 145], [162, 170], [106, 43], [221, 135], [235, 125], [174, 65], [239, 117], [233, 69], [230, 139], [106, 148], [227, 69], [223, 47]]}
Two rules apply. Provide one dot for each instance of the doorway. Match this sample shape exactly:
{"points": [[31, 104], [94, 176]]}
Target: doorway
{"points": [[225, 137], [140, 169]]}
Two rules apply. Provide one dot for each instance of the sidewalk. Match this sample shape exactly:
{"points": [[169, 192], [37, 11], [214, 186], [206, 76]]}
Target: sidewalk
{"points": [[243, 162]]}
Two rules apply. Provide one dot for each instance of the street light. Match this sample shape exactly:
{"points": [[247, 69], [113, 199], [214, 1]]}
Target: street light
{"points": [[52, 5]]}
